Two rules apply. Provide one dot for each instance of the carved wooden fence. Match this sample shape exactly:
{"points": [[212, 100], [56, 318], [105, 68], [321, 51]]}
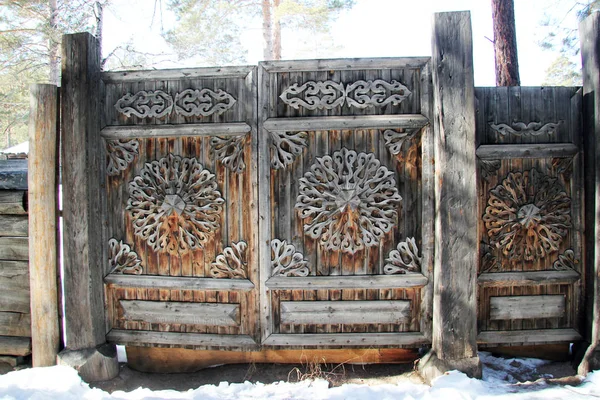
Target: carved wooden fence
{"points": [[365, 203]]}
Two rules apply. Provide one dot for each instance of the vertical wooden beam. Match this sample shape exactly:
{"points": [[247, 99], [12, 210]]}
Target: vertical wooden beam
{"points": [[454, 337], [589, 31], [43, 148], [82, 223]]}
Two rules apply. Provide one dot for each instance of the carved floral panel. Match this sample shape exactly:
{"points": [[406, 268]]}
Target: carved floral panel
{"points": [[123, 260], [404, 259], [120, 153], [286, 261], [230, 151], [232, 263]]}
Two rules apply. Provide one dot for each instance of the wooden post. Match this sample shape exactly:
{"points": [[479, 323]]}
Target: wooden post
{"points": [[590, 55], [454, 336], [43, 146], [82, 225]]}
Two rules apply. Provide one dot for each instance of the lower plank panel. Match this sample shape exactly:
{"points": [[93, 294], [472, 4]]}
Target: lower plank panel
{"points": [[529, 336], [179, 339], [347, 339], [345, 312]]}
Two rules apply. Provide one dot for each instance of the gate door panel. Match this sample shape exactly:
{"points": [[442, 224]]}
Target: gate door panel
{"points": [[181, 207], [531, 270], [345, 230]]}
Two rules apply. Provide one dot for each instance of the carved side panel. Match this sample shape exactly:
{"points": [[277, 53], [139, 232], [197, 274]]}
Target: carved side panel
{"points": [[230, 151], [286, 261], [120, 154], [404, 259], [232, 263], [122, 259]]}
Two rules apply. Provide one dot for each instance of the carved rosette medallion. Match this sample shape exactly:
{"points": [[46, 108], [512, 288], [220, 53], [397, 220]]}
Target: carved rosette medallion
{"points": [[286, 261], [348, 201], [232, 263], [526, 130], [528, 215], [123, 260], [285, 147], [230, 151], [404, 259], [145, 104], [120, 153], [175, 205], [203, 102], [330, 94]]}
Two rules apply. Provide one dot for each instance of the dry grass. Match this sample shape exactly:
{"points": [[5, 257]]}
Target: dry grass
{"points": [[317, 368]]}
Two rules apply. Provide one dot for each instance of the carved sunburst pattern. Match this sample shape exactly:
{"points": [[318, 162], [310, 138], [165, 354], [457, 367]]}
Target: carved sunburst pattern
{"points": [[348, 201], [528, 215], [174, 204]]}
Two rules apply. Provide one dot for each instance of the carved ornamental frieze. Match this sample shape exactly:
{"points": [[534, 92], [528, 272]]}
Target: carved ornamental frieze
{"points": [[528, 215], [285, 147], [348, 201], [230, 151], [232, 263], [120, 153], [286, 261], [175, 205], [404, 259], [145, 104], [526, 130], [123, 260], [328, 95]]}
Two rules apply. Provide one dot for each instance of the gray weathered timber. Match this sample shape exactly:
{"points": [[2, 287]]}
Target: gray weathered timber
{"points": [[407, 121], [13, 225], [43, 159], [169, 312], [528, 278], [15, 346], [345, 312], [14, 248], [529, 336], [527, 307], [348, 339], [15, 324], [509, 151], [188, 73], [13, 202], [181, 283], [82, 178], [345, 64], [13, 174], [348, 282], [182, 339], [589, 31], [163, 131], [14, 275]]}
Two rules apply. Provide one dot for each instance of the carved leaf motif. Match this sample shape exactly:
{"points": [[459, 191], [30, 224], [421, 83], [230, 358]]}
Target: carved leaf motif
{"points": [[566, 262], [562, 166], [123, 260], [175, 205], [394, 139], [145, 104], [405, 259], [522, 129], [203, 102], [489, 168], [232, 263], [285, 146], [286, 261], [348, 201], [230, 150], [489, 263], [377, 93], [528, 215], [120, 153], [317, 95]]}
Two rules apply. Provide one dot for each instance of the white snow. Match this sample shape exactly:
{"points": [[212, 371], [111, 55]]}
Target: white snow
{"points": [[498, 383]]}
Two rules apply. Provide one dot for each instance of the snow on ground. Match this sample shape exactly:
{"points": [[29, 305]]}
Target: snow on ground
{"points": [[498, 383]]}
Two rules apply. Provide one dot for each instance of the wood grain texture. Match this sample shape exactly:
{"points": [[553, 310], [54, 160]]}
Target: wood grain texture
{"points": [[345, 312], [530, 336], [348, 282], [527, 278], [181, 283], [14, 225], [15, 346], [136, 337], [457, 242], [527, 307], [168, 74], [347, 339], [15, 324], [13, 202], [502, 151], [14, 248], [404, 121], [13, 174], [165, 131], [169, 312]]}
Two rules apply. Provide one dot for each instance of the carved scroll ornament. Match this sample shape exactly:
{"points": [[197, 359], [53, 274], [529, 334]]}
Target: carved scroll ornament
{"points": [[123, 260], [285, 147], [232, 263], [528, 215], [522, 129], [230, 151], [286, 261], [145, 104], [120, 153], [404, 259], [348, 201], [394, 140], [204, 102], [566, 262], [330, 94], [175, 205]]}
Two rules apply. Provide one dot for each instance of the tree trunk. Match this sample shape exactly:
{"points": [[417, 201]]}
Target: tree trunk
{"points": [[505, 43], [276, 32], [53, 44], [267, 30]]}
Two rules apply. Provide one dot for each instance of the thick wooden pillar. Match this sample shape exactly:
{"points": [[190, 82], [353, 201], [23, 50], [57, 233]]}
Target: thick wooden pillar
{"points": [[82, 224], [589, 31], [454, 336], [43, 149]]}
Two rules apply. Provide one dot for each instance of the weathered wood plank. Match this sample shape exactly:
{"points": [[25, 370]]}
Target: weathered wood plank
{"points": [[502, 151], [14, 248], [14, 275], [347, 339], [15, 324], [527, 307], [187, 73], [345, 312], [174, 131], [13, 202], [14, 225], [347, 282], [176, 282], [407, 121], [13, 174], [134, 337], [527, 278], [171, 312], [529, 336], [15, 299], [345, 64], [15, 346]]}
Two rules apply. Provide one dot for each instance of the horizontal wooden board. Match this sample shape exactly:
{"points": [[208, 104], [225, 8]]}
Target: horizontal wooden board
{"points": [[503, 151], [14, 248], [15, 300], [348, 282], [175, 338], [187, 73], [345, 312], [15, 324], [167, 130], [13, 202], [15, 346], [171, 312], [13, 174], [14, 225], [527, 307], [527, 278], [409, 121], [14, 274], [354, 64], [529, 336], [172, 282], [347, 339]]}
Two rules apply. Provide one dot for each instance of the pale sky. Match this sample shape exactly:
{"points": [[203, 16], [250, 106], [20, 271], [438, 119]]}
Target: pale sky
{"points": [[372, 28]]}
